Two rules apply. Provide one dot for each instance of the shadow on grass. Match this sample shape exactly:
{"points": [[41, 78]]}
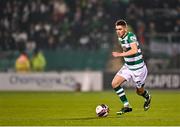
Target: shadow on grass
{"points": [[90, 118]]}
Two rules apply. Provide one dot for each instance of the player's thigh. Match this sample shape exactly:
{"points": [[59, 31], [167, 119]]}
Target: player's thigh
{"points": [[117, 80], [139, 77]]}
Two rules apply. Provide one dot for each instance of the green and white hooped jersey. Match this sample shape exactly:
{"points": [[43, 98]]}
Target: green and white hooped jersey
{"points": [[133, 62]]}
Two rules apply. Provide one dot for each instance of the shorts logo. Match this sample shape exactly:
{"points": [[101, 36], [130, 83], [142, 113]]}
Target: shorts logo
{"points": [[139, 84]]}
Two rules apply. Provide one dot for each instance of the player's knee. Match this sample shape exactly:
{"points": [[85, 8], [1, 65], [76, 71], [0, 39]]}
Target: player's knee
{"points": [[137, 92], [118, 80], [140, 91], [114, 84]]}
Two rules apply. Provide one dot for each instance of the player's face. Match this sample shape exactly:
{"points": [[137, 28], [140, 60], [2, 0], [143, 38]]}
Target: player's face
{"points": [[121, 30]]}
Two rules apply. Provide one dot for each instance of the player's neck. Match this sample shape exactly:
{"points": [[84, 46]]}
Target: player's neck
{"points": [[124, 35]]}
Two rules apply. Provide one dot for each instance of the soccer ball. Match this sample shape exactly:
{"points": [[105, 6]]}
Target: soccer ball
{"points": [[102, 110]]}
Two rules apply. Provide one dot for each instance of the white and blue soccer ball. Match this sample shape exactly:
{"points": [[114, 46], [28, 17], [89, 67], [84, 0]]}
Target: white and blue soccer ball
{"points": [[102, 110]]}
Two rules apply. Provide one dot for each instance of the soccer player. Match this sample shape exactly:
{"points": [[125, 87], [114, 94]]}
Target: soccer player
{"points": [[133, 69]]}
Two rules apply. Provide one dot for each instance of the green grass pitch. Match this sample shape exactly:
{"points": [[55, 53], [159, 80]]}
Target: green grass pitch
{"points": [[78, 108]]}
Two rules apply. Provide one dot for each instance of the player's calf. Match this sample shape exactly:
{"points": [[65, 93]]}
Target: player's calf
{"points": [[145, 94]]}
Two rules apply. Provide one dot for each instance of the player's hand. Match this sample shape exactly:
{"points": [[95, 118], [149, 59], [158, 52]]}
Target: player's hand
{"points": [[116, 54]]}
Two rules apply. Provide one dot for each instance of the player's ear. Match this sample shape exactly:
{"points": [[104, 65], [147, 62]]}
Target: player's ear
{"points": [[126, 28]]}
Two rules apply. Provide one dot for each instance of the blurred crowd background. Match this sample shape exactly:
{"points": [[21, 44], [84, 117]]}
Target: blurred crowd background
{"points": [[80, 35]]}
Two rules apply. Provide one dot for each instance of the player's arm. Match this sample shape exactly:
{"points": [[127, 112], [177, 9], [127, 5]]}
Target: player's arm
{"points": [[132, 51]]}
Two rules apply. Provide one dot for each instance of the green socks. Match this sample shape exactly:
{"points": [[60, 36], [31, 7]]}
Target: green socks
{"points": [[145, 94], [120, 92]]}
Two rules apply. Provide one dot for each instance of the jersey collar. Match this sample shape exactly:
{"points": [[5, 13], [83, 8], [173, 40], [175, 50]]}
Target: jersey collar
{"points": [[121, 38], [125, 35]]}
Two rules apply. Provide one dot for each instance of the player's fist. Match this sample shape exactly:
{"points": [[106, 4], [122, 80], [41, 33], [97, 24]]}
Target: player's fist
{"points": [[116, 54]]}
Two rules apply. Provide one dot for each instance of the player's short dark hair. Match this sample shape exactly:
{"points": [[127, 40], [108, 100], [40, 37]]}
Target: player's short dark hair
{"points": [[121, 22]]}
